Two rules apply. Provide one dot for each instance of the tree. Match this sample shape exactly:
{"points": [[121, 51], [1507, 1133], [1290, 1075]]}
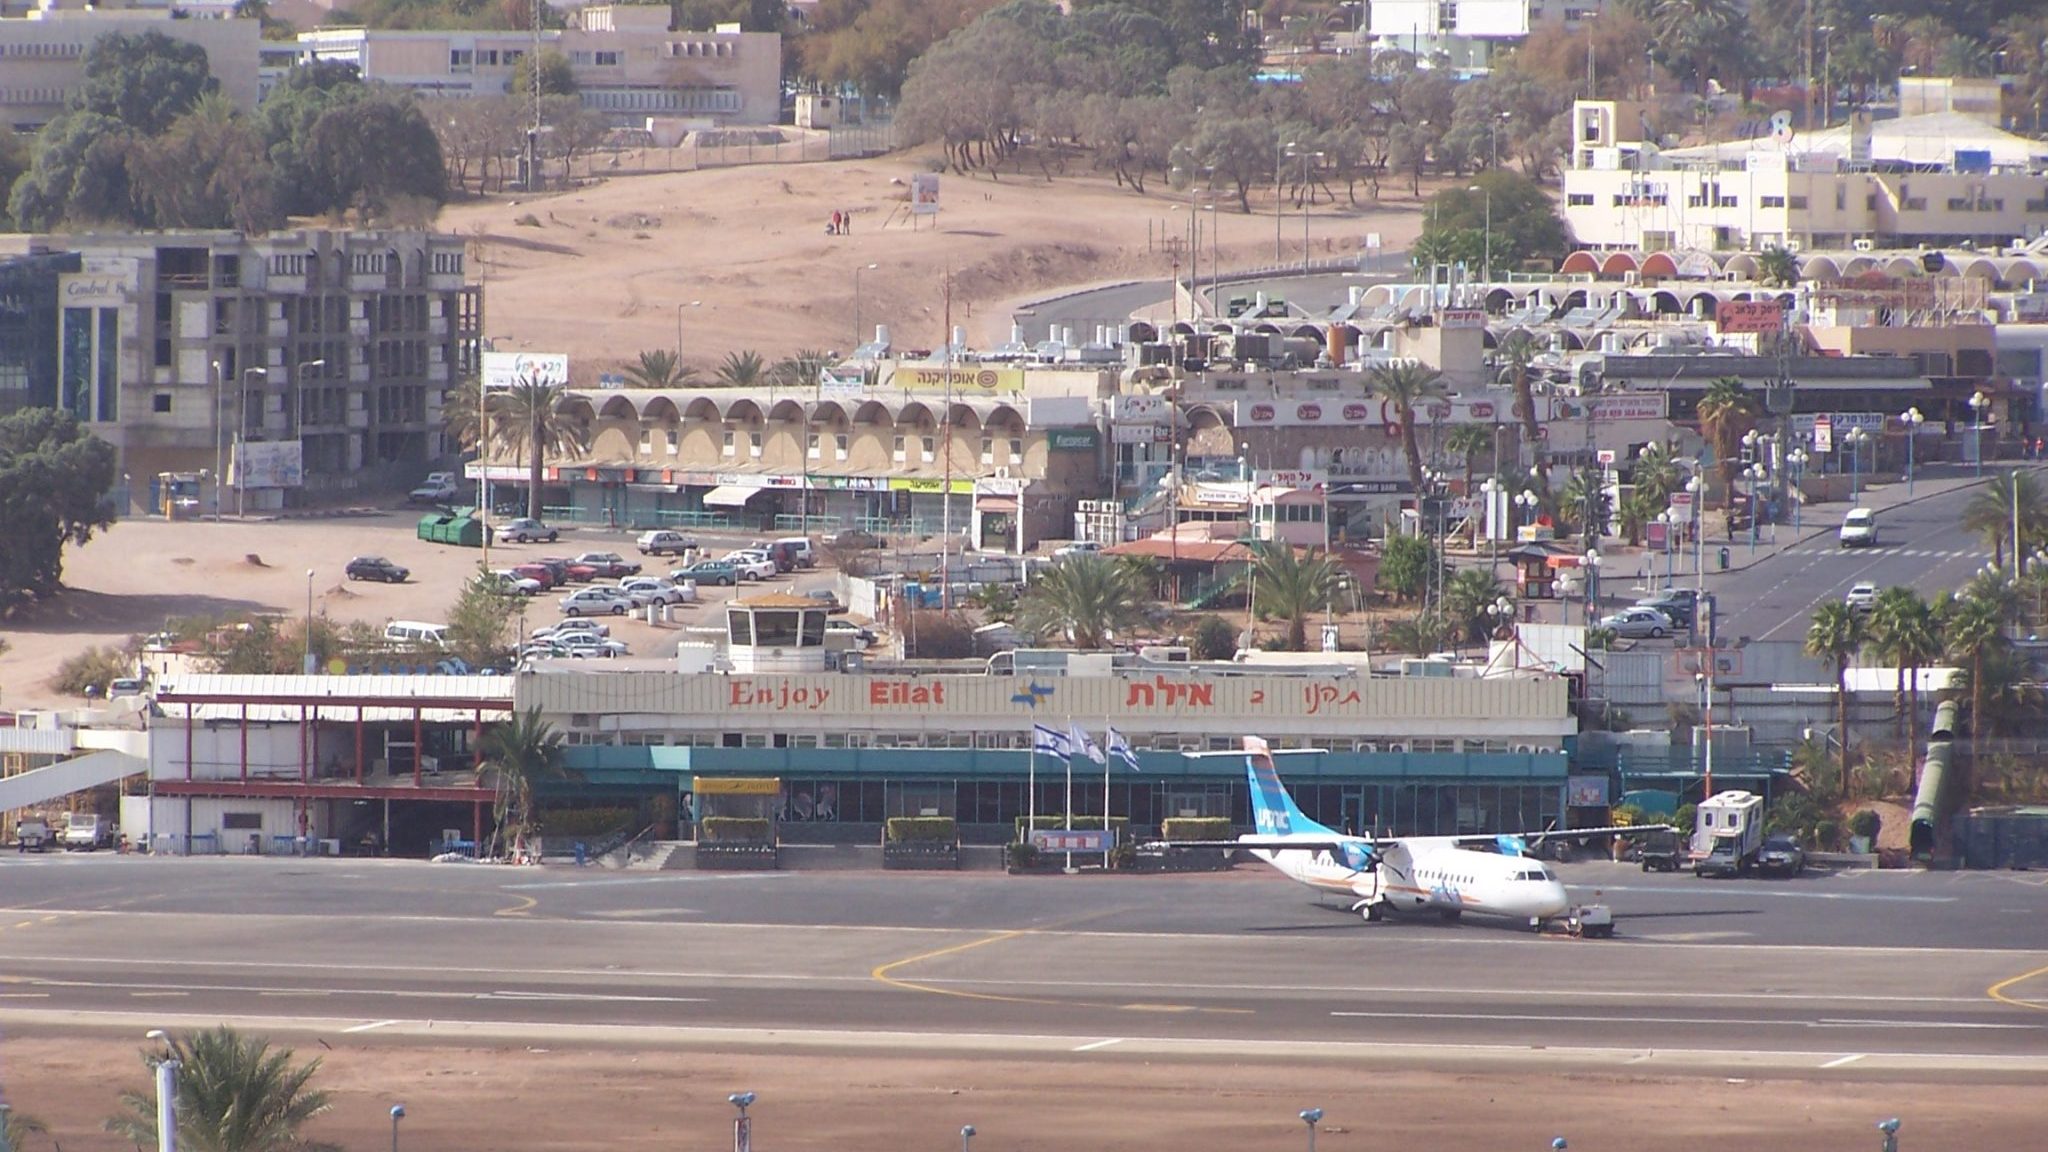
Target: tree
{"points": [[556, 77], [286, 119], [1408, 564], [1903, 630], [207, 170], [461, 418], [1991, 514], [800, 370], [79, 174], [535, 423], [1289, 585], [1214, 639], [90, 671], [1523, 225], [17, 1127], [1699, 34], [1777, 267], [234, 1095], [479, 622], [1836, 635], [1405, 386], [373, 151], [1974, 637], [17, 153], [659, 368], [1422, 634], [54, 477], [1725, 412], [1467, 441], [1515, 353], [519, 754], [145, 80], [1084, 600], [743, 369], [1468, 595]]}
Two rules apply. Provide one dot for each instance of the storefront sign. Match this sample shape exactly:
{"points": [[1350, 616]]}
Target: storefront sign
{"points": [[976, 381], [1140, 409], [1331, 413], [1292, 478], [505, 369], [1621, 406], [1097, 840], [1749, 316], [1139, 434], [1585, 791], [736, 786], [998, 486], [929, 484], [851, 483], [1073, 439], [1461, 318], [1219, 493], [841, 382]]}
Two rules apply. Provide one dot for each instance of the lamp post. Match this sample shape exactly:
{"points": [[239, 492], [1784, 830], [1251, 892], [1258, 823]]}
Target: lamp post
{"points": [[299, 400], [1312, 1117], [1756, 473], [1698, 488], [1502, 611], [967, 1138], [220, 464], [1797, 458], [1486, 265], [742, 1125], [1827, 73], [1978, 403], [241, 432], [1890, 1128], [1492, 488], [1305, 158], [397, 1114], [166, 1092], [679, 327], [309, 622], [1592, 559], [1280, 148], [856, 303], [1671, 521], [1855, 440], [1912, 419]]}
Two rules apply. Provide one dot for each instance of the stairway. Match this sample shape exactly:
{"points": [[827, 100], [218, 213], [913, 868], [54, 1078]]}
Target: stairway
{"points": [[54, 781]]}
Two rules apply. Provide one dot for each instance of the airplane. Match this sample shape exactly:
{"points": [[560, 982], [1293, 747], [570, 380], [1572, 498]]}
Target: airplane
{"points": [[1406, 875]]}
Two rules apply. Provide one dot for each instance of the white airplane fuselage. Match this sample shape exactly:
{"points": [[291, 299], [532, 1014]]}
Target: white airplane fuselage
{"points": [[1427, 874]]}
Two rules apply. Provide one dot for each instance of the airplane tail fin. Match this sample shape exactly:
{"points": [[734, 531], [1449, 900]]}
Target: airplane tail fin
{"points": [[1273, 810]]}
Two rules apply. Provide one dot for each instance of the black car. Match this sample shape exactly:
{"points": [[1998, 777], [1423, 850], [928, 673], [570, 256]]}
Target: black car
{"points": [[1781, 856], [377, 568], [1662, 851], [1676, 605]]}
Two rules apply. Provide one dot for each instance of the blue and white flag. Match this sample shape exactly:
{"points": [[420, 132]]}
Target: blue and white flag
{"points": [[1084, 745], [1122, 750], [1053, 743]]}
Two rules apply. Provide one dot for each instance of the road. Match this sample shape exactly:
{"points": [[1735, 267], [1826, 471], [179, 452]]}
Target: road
{"points": [[1082, 311], [1857, 974]]}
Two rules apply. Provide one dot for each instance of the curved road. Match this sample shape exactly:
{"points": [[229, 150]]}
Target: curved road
{"points": [[1854, 975]]}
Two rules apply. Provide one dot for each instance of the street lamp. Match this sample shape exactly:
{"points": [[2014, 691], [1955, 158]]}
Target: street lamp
{"points": [[1492, 487], [220, 466], [1487, 264], [1756, 473], [1671, 521], [1890, 1128], [967, 1138], [1502, 610], [1978, 403], [299, 402], [397, 1114], [1592, 559], [1312, 1117], [1528, 502], [679, 327], [742, 1127], [166, 1092], [1912, 419], [1279, 156], [1305, 158], [1698, 488], [1797, 458], [1855, 440], [856, 304]]}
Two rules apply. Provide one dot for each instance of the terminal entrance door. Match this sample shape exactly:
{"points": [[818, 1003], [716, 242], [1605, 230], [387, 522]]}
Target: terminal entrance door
{"points": [[1361, 809]]}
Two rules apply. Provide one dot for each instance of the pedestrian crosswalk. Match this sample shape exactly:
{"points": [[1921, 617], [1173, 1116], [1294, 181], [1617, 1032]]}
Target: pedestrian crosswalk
{"points": [[1921, 553]]}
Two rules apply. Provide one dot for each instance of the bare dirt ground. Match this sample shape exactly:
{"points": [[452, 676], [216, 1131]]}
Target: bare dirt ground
{"points": [[134, 576], [599, 272], [573, 1099]]}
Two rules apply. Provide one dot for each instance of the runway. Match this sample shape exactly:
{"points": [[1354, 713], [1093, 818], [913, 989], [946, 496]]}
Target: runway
{"points": [[1852, 975]]}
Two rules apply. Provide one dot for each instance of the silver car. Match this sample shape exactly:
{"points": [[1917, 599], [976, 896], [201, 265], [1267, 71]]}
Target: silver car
{"points": [[1638, 624]]}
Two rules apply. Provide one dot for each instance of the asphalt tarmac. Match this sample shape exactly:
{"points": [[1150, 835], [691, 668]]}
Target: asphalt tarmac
{"points": [[1854, 975]]}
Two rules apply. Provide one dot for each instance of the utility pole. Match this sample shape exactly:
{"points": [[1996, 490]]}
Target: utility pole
{"points": [[533, 177], [946, 447]]}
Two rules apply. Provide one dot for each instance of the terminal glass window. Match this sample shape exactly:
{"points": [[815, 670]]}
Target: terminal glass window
{"points": [[776, 629], [920, 797]]}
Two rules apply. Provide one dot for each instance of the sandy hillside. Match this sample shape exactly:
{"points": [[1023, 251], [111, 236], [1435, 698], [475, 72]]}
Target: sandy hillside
{"points": [[601, 273]]}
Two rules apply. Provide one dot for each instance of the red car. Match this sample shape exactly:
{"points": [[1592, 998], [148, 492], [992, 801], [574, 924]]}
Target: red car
{"points": [[572, 572], [540, 572]]}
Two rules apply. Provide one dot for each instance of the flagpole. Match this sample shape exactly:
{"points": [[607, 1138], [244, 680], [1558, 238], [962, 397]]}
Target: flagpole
{"points": [[1031, 790], [1108, 841], [1070, 796]]}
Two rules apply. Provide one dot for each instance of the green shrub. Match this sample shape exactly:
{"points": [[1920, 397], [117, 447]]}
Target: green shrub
{"points": [[1020, 855], [1056, 821], [1827, 835], [1196, 828], [1865, 823], [904, 829], [1686, 818], [735, 830], [1214, 639], [92, 668]]}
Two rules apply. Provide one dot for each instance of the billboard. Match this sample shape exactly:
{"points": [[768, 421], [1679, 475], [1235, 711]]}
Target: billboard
{"points": [[842, 382], [967, 381], [924, 194], [267, 464], [1750, 316], [504, 369]]}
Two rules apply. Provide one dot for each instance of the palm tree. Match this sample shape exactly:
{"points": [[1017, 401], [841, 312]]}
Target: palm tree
{"points": [[459, 421], [743, 370], [1468, 441], [1990, 513], [17, 1127], [1777, 267], [1974, 636], [1405, 386], [534, 421], [1699, 32], [1467, 596], [1517, 351], [1419, 635], [521, 752], [659, 368], [1726, 411], [802, 369], [1290, 585], [1836, 635], [1904, 631], [1084, 599], [234, 1095]]}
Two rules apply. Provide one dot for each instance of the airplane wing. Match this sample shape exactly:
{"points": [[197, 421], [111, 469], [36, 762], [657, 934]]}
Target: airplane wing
{"points": [[1498, 838]]}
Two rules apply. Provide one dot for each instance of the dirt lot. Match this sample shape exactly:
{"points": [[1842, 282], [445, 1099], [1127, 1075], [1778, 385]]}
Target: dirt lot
{"points": [[599, 273], [130, 579], [572, 1100]]}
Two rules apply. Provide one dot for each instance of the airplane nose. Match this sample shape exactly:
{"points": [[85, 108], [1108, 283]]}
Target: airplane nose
{"points": [[1555, 902]]}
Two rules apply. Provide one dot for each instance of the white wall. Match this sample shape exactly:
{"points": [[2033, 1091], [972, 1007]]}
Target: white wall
{"points": [[217, 751], [163, 820]]}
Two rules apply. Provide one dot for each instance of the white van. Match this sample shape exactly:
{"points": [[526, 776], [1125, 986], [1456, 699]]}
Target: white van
{"points": [[1859, 529], [414, 634], [798, 549]]}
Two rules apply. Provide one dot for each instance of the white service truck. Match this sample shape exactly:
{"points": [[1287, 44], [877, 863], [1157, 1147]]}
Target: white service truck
{"points": [[1728, 834], [87, 830]]}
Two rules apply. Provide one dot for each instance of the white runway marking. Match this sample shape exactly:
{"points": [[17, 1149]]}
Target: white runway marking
{"points": [[1771, 893], [1839, 1061], [1099, 1044], [372, 1026], [1533, 1018], [591, 997], [637, 880]]}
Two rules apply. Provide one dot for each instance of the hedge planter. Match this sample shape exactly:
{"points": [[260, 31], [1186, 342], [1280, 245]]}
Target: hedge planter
{"points": [[926, 855], [1184, 860], [736, 856]]}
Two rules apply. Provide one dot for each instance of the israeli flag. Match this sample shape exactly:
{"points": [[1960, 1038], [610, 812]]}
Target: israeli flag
{"points": [[1051, 742], [1086, 746], [1122, 750]]}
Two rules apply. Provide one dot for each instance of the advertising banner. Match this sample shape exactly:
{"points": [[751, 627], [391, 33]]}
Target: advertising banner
{"points": [[974, 381], [270, 464], [924, 194], [841, 382], [1749, 316], [504, 369], [1618, 406]]}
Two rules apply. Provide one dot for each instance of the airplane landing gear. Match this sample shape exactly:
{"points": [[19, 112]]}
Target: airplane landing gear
{"points": [[1371, 910], [1450, 914]]}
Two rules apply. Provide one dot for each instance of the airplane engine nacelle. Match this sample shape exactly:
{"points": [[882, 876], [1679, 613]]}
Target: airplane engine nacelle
{"points": [[1511, 845], [1358, 857]]}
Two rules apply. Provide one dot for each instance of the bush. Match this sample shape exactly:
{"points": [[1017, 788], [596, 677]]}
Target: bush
{"points": [[1865, 823], [936, 829], [1020, 855], [93, 668], [1196, 828], [1827, 834], [1051, 822], [1687, 818], [584, 822], [1214, 639], [735, 830]]}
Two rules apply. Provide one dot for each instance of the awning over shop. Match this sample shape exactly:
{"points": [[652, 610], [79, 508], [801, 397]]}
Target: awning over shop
{"points": [[996, 503], [730, 496]]}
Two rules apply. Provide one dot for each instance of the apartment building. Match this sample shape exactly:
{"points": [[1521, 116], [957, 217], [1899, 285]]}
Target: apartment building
{"points": [[628, 63], [42, 52], [1466, 34], [334, 346], [1935, 180]]}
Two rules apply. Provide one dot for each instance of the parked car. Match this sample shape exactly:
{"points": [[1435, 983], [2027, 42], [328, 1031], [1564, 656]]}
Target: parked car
{"points": [[1782, 856], [796, 550], [722, 572], [587, 644], [1638, 624], [33, 834], [752, 565], [658, 589], [572, 572], [564, 627], [859, 637], [438, 488], [539, 573], [544, 650], [1679, 605], [513, 582], [854, 538], [126, 686], [826, 597], [665, 541], [1862, 596], [1859, 529], [596, 601], [1662, 851], [377, 568], [1077, 548], [526, 530], [609, 565], [638, 599]]}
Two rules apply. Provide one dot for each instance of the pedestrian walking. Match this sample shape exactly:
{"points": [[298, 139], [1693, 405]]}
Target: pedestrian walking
{"points": [[837, 222], [848, 224]]}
